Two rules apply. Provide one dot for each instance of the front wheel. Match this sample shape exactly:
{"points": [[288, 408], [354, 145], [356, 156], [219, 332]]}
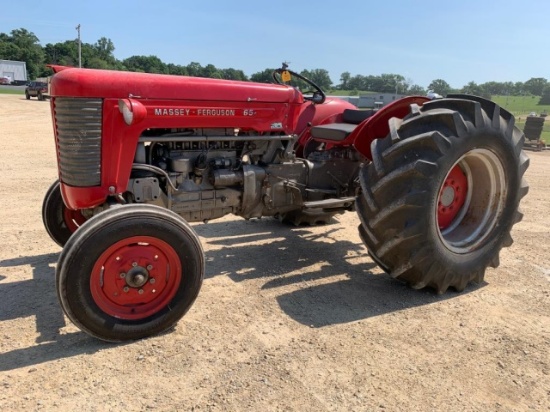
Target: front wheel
{"points": [[441, 196], [59, 221], [130, 272]]}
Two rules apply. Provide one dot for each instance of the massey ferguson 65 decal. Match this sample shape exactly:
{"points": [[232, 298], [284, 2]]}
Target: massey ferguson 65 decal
{"points": [[213, 112]]}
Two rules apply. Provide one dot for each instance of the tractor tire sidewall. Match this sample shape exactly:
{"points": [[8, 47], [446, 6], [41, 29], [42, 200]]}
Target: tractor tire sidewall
{"points": [[480, 258], [94, 237], [401, 189], [53, 215]]}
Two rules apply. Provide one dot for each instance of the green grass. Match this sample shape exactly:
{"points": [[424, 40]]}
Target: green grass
{"points": [[521, 106], [11, 91]]}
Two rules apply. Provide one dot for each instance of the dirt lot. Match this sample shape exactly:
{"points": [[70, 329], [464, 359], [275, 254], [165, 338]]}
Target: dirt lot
{"points": [[323, 329]]}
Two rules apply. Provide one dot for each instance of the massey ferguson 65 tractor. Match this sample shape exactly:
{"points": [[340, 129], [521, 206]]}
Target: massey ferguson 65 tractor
{"points": [[436, 184]]}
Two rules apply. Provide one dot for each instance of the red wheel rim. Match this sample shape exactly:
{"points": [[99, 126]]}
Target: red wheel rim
{"points": [[136, 277], [73, 219], [451, 197]]}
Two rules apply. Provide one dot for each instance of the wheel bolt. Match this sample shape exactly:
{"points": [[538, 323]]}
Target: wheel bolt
{"points": [[149, 267], [140, 291], [156, 257], [122, 275], [117, 258], [152, 280], [126, 289], [134, 264]]}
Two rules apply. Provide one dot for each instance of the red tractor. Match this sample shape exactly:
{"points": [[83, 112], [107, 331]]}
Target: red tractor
{"points": [[436, 184]]}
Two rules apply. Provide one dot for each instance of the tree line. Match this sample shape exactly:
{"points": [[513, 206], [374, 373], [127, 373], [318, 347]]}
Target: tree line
{"points": [[23, 45]]}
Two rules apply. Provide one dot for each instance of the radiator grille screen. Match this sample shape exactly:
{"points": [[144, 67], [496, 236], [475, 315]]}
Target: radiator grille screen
{"points": [[78, 137]]}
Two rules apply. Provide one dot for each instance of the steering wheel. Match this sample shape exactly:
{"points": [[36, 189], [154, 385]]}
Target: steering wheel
{"points": [[317, 94]]}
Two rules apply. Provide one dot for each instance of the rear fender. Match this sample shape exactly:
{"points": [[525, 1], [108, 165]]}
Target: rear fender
{"points": [[376, 126]]}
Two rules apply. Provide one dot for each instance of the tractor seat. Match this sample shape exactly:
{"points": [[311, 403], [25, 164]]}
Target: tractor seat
{"points": [[339, 131]]}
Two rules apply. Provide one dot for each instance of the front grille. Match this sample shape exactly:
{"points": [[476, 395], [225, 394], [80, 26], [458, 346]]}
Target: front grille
{"points": [[78, 137]]}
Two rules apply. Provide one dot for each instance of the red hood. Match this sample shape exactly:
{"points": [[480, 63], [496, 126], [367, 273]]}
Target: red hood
{"points": [[74, 82]]}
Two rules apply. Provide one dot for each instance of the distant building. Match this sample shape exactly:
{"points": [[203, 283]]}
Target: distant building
{"points": [[14, 70]]}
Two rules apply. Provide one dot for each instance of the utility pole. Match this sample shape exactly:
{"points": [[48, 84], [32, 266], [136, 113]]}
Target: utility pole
{"points": [[79, 47]]}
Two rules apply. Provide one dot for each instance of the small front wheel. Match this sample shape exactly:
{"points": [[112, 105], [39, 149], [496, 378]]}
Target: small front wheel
{"points": [[59, 221], [131, 272]]}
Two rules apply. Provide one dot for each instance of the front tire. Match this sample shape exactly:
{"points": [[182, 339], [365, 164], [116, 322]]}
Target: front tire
{"points": [[130, 272], [59, 221], [440, 198]]}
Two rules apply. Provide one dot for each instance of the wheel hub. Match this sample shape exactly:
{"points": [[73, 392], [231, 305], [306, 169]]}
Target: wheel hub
{"points": [[137, 277], [471, 200], [451, 197], [447, 196]]}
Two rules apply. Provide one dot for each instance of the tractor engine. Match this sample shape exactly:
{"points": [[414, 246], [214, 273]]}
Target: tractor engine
{"points": [[203, 174]]}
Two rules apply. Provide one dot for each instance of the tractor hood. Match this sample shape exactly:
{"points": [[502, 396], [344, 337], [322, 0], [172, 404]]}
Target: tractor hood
{"points": [[74, 82]]}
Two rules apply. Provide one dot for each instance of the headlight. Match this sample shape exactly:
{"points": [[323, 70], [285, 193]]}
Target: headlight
{"points": [[132, 111]]}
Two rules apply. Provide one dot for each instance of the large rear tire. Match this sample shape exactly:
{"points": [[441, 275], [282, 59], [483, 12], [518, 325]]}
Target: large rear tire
{"points": [[440, 198], [130, 272], [59, 221]]}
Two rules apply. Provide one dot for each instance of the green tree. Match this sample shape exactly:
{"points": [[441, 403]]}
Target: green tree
{"points": [[319, 77], [211, 72], [545, 98], [194, 69], [519, 89], [440, 86], [472, 88], [176, 69], [145, 64], [416, 90], [535, 85], [344, 81], [23, 45], [233, 74], [65, 53], [264, 76], [104, 49], [391, 83], [357, 82]]}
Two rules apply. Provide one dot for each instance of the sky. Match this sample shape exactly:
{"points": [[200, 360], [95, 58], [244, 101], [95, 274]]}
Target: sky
{"points": [[422, 40]]}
